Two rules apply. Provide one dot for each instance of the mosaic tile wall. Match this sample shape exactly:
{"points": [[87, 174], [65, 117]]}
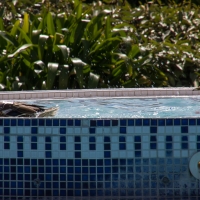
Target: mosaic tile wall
{"points": [[98, 158]]}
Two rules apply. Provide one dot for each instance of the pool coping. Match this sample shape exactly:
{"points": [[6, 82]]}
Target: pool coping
{"points": [[93, 93]]}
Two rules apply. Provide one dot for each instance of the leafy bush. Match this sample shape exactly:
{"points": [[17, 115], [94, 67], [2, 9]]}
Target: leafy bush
{"points": [[66, 44]]}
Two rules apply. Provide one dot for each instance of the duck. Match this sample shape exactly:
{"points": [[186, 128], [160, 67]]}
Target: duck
{"points": [[20, 109]]}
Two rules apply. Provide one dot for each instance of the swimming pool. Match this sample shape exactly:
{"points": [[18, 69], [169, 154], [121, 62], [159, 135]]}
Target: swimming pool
{"points": [[95, 158]]}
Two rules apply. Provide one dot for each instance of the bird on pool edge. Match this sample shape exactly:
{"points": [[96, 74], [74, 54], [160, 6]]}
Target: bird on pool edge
{"points": [[19, 109]]}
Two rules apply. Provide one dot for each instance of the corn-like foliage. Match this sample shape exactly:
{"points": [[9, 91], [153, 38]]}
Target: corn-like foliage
{"points": [[65, 44]]}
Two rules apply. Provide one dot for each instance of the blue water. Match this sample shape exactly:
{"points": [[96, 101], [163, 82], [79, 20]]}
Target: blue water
{"points": [[125, 107]]}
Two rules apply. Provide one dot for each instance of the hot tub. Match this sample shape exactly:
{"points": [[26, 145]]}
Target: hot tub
{"points": [[95, 158]]}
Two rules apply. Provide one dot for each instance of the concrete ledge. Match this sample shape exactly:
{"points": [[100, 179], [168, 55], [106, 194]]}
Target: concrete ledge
{"points": [[92, 93]]}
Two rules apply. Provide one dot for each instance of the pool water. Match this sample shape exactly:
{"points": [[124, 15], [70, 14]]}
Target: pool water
{"points": [[125, 107]]}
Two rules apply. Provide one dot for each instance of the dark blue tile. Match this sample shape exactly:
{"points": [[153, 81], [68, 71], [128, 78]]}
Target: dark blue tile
{"points": [[146, 122], [34, 130], [92, 130], [47, 139], [63, 122], [122, 146], [6, 145], [114, 122], [198, 137], [153, 122], [198, 121], [27, 122], [106, 122], [77, 146], [63, 139], [123, 122], [137, 154], [77, 139], [70, 122], [92, 122], [153, 146], [13, 122], [99, 123], [107, 154], [34, 122], [114, 161], [122, 139], [62, 130], [92, 146], [19, 145], [153, 139], [169, 153], [138, 122], [62, 146], [1, 122], [192, 122], [19, 138], [177, 122], [184, 121], [7, 130], [122, 130], [47, 146], [91, 139], [184, 138], [161, 122], [106, 139], [70, 162], [48, 122], [153, 129], [184, 129], [130, 122], [6, 138], [169, 138], [55, 122], [6, 122], [41, 122], [20, 154], [184, 145], [137, 146], [77, 122], [137, 138], [107, 162], [169, 122], [62, 162], [48, 154], [77, 154], [169, 146]]}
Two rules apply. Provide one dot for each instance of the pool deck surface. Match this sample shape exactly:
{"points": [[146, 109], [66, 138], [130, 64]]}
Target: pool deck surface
{"points": [[93, 93]]}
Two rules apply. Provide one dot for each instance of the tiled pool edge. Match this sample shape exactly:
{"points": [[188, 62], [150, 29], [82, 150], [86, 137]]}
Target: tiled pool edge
{"points": [[98, 159], [88, 93]]}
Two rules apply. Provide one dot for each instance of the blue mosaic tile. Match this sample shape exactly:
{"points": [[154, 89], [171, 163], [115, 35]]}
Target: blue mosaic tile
{"points": [[122, 130], [27, 122], [62, 130], [184, 129], [41, 122], [153, 129], [177, 122], [34, 130], [146, 122], [99, 122], [130, 122], [92, 130], [138, 122], [6, 130]]}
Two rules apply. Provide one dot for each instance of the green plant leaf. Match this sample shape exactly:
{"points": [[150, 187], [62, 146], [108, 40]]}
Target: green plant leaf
{"points": [[50, 24], [63, 77], [25, 26], [79, 65], [41, 45], [65, 52], [93, 80], [51, 74], [22, 48]]}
